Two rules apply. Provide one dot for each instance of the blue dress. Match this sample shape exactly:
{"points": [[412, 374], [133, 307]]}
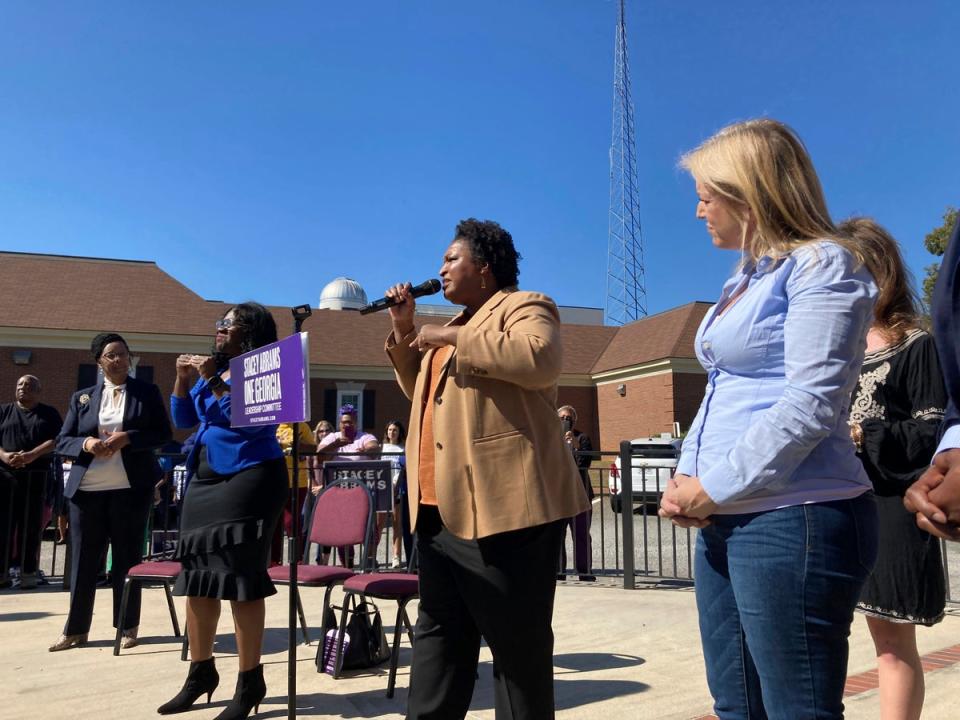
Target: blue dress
{"points": [[233, 502]]}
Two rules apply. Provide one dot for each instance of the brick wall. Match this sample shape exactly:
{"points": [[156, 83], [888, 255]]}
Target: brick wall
{"points": [[59, 370], [645, 409]]}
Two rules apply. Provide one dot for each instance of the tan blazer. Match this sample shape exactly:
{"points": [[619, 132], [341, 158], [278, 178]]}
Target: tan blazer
{"points": [[501, 463]]}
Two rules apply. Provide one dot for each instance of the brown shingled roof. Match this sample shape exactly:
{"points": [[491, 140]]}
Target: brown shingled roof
{"points": [[38, 291], [343, 337], [583, 345], [669, 334], [76, 293]]}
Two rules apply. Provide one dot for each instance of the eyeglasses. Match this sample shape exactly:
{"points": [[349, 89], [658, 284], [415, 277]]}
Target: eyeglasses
{"points": [[111, 356], [225, 323]]}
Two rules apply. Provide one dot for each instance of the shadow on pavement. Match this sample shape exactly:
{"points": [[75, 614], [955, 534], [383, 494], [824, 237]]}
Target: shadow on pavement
{"points": [[585, 662], [17, 616]]}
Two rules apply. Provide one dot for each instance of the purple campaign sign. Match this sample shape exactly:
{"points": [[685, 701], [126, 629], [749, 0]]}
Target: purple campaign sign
{"points": [[271, 385]]}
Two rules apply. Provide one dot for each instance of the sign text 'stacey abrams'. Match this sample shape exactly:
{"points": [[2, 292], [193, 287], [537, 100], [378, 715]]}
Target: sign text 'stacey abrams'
{"points": [[261, 384], [271, 384]]}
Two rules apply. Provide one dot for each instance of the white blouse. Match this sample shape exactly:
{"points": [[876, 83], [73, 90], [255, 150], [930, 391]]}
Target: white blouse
{"points": [[108, 473]]}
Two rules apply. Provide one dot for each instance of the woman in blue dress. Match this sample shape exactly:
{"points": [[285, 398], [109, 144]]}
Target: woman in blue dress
{"points": [[230, 511]]}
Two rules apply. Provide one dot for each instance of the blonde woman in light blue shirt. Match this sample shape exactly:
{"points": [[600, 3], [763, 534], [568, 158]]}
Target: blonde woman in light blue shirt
{"points": [[767, 469]]}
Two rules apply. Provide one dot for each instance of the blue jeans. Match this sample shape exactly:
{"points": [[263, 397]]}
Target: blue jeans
{"points": [[775, 595]]}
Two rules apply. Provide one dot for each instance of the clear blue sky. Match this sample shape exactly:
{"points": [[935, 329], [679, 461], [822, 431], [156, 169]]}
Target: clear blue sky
{"points": [[259, 149]]}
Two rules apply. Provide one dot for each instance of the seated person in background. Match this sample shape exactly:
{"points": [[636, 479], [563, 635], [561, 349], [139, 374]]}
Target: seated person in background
{"points": [[349, 444]]}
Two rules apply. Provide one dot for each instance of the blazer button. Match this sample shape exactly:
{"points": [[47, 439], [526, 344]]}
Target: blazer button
{"points": [[439, 446]]}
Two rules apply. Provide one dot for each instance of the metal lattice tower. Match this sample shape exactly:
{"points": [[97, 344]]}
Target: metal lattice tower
{"points": [[626, 284]]}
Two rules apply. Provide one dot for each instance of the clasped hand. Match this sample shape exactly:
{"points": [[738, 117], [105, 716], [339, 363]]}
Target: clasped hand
{"points": [[189, 364], [935, 496], [112, 442], [686, 503], [19, 459]]}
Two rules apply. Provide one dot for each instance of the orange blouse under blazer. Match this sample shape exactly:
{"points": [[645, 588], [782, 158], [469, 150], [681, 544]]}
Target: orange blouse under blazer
{"points": [[500, 463]]}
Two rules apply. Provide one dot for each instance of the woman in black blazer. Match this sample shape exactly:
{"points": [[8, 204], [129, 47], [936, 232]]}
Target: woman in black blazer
{"points": [[111, 431]]}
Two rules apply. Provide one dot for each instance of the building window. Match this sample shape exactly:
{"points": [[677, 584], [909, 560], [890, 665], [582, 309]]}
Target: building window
{"points": [[351, 393], [88, 374]]}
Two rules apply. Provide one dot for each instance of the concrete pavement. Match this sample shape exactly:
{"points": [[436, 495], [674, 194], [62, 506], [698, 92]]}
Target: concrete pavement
{"points": [[619, 655]]}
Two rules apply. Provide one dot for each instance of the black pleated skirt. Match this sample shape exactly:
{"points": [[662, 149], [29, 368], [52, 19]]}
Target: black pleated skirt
{"points": [[226, 527], [907, 583]]}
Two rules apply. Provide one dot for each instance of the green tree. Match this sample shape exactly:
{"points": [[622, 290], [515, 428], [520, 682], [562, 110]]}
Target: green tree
{"points": [[936, 244]]}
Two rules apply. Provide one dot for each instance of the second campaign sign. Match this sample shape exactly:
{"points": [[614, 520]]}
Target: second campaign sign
{"points": [[271, 385], [376, 474]]}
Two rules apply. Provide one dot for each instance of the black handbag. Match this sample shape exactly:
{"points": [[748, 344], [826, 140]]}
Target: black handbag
{"points": [[367, 640]]}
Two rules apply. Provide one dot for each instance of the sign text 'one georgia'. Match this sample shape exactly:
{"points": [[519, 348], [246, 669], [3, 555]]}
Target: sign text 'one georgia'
{"points": [[271, 384]]}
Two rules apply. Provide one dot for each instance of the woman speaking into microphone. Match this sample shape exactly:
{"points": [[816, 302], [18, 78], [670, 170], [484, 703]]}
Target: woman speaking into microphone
{"points": [[489, 479]]}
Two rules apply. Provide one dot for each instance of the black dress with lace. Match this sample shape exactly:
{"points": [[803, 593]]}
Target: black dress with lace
{"points": [[899, 403]]}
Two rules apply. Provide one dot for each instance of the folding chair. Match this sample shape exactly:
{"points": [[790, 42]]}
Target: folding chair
{"points": [[153, 572], [343, 514], [401, 587]]}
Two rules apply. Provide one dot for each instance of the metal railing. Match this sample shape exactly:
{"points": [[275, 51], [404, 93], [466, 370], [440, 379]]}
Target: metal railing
{"points": [[951, 570], [629, 540], [643, 547]]}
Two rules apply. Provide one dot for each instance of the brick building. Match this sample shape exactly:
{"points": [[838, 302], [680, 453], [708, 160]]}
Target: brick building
{"points": [[625, 382]]}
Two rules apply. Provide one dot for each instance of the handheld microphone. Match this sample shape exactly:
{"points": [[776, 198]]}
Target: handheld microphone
{"points": [[428, 287]]}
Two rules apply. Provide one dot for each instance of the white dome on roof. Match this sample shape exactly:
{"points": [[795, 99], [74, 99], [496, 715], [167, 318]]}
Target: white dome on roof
{"points": [[342, 294]]}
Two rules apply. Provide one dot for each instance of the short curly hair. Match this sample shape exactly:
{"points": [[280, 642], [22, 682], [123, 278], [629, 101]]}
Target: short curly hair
{"points": [[491, 244]]}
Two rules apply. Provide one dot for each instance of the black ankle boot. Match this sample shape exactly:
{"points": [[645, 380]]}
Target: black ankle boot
{"points": [[250, 691], [202, 678]]}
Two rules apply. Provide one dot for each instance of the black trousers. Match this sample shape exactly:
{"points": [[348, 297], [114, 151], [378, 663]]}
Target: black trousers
{"points": [[500, 588], [118, 517], [21, 510], [582, 543]]}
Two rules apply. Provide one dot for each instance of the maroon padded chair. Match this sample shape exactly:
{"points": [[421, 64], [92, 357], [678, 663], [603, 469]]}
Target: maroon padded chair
{"points": [[401, 587], [343, 514], [152, 572]]}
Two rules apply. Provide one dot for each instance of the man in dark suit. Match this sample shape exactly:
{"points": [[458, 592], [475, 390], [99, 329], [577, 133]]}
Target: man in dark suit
{"points": [[110, 431], [935, 497]]}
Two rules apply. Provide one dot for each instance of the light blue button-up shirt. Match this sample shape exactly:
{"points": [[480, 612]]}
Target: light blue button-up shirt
{"points": [[781, 363], [949, 440]]}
